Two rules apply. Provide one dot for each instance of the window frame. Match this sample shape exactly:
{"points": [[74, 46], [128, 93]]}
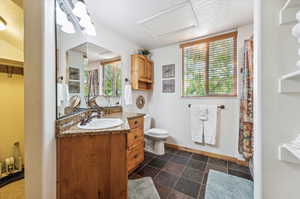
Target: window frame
{"points": [[206, 41], [114, 77]]}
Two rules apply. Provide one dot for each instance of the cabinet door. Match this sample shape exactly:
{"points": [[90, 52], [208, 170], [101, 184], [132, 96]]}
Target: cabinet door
{"points": [[141, 63], [149, 70], [118, 170], [83, 165]]}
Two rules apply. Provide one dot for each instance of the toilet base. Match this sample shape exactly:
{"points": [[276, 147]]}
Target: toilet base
{"points": [[155, 146]]}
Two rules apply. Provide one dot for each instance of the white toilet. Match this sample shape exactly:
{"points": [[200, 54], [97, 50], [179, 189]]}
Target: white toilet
{"points": [[154, 138]]}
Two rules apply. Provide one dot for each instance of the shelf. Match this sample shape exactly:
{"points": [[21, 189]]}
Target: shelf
{"points": [[290, 83], [288, 12], [146, 80], [289, 153]]}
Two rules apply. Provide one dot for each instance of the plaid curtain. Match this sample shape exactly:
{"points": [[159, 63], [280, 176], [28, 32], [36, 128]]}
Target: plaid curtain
{"points": [[246, 103]]}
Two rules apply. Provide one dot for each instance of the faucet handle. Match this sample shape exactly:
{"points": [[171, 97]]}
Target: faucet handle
{"points": [[102, 113]]}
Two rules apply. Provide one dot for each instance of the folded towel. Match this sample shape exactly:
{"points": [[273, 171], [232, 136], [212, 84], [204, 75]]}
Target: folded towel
{"points": [[127, 95], [203, 123], [196, 124], [210, 126]]}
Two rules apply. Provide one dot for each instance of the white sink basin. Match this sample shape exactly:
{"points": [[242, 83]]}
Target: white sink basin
{"points": [[103, 123]]}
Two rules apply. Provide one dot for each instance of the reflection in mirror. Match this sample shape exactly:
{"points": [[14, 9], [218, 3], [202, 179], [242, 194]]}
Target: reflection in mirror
{"points": [[90, 78]]}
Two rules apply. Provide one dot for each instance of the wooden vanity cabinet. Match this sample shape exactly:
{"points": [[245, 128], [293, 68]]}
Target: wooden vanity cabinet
{"points": [[92, 166], [141, 72], [135, 143]]}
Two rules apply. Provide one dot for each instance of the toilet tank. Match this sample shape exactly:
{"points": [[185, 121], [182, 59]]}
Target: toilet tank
{"points": [[147, 122]]}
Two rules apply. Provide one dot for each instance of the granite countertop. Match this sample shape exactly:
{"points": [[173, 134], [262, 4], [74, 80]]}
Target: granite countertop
{"points": [[124, 128]]}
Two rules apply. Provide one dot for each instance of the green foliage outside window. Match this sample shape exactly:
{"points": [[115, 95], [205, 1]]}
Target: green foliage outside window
{"points": [[112, 79], [209, 68]]}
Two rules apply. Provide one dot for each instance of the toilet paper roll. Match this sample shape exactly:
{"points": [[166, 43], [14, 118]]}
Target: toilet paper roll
{"points": [[296, 31]]}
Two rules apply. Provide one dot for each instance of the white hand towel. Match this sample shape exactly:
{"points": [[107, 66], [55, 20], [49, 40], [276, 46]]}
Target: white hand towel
{"points": [[298, 16], [128, 95], [60, 95], [198, 114], [210, 126]]}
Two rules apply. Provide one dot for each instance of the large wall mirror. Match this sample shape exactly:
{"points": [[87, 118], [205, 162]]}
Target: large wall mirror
{"points": [[88, 75]]}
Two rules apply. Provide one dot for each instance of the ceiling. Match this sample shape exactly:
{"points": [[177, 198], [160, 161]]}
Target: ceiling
{"points": [[126, 17], [94, 53]]}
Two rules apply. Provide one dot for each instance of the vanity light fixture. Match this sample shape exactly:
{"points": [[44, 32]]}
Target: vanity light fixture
{"points": [[73, 15], [80, 9], [3, 24], [68, 27]]}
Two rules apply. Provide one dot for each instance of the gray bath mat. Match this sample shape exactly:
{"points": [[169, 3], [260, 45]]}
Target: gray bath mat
{"points": [[223, 186], [142, 188]]}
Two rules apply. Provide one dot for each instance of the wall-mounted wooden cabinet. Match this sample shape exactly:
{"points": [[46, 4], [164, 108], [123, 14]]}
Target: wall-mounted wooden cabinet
{"points": [[141, 72]]}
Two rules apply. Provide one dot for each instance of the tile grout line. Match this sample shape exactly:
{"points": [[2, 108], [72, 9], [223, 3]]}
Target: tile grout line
{"points": [[185, 166]]}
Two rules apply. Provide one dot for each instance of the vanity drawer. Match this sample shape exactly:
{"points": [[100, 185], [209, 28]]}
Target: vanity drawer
{"points": [[136, 123], [135, 137], [135, 157]]}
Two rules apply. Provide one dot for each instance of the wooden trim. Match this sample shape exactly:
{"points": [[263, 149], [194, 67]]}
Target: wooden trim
{"points": [[118, 59], [207, 41], [9, 62], [210, 39], [209, 154]]}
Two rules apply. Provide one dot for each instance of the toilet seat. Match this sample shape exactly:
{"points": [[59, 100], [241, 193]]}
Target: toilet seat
{"points": [[159, 133]]}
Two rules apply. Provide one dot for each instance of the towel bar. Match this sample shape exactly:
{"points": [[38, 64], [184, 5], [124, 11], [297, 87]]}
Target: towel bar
{"points": [[219, 107]]}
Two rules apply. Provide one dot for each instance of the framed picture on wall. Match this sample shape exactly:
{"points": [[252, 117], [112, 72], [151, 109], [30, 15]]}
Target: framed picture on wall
{"points": [[168, 86], [74, 87], [168, 71], [74, 73]]}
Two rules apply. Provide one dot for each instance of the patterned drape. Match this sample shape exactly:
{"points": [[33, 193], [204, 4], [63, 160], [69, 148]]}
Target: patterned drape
{"points": [[246, 104], [93, 83]]}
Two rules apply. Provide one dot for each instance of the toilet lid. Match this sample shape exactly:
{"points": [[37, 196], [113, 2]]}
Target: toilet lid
{"points": [[157, 132]]}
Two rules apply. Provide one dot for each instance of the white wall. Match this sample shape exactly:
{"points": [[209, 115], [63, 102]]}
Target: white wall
{"points": [[40, 141], [280, 112], [115, 43], [170, 111]]}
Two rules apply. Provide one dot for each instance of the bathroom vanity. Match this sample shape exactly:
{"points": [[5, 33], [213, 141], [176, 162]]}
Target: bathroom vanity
{"points": [[95, 163]]}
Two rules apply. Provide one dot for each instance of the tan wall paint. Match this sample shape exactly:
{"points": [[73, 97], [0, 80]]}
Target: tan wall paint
{"points": [[12, 39], [12, 89], [12, 114]]}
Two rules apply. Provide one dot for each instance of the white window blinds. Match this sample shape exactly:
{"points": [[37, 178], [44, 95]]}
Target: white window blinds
{"points": [[209, 66]]}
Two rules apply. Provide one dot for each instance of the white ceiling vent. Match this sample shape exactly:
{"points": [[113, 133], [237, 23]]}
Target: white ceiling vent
{"points": [[178, 18]]}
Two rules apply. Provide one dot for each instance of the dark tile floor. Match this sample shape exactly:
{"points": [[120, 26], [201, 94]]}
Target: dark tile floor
{"points": [[183, 175]]}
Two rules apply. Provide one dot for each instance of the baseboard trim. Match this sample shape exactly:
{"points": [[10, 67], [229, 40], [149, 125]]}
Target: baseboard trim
{"points": [[209, 154]]}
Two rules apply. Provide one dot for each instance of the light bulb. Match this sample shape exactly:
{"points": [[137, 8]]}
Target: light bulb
{"points": [[3, 24], [90, 30], [68, 27], [80, 9], [61, 17], [296, 30]]}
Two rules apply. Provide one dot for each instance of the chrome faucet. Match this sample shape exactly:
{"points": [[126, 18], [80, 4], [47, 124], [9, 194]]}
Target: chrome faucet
{"points": [[98, 114]]}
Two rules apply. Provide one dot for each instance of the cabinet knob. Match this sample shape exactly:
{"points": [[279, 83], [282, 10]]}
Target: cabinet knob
{"points": [[136, 122], [135, 137]]}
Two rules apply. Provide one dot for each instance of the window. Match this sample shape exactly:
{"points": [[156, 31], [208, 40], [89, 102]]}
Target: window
{"points": [[209, 67], [112, 78]]}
